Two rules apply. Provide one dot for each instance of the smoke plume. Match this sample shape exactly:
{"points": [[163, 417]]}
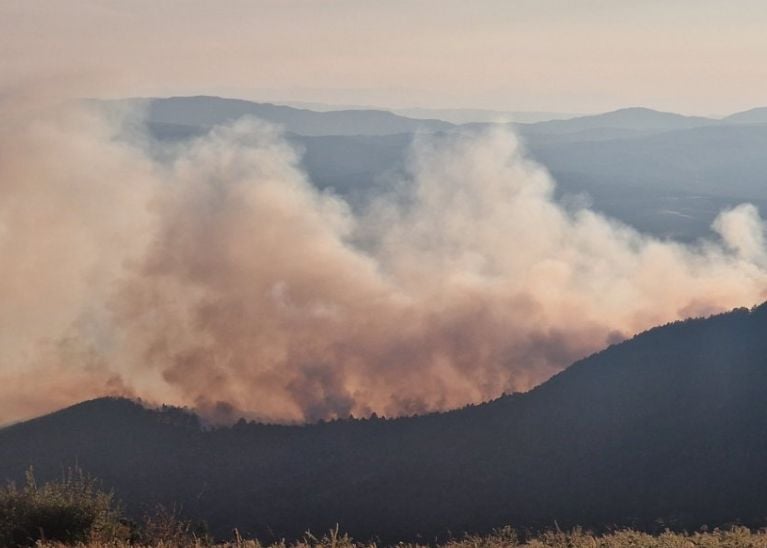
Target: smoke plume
{"points": [[213, 274]]}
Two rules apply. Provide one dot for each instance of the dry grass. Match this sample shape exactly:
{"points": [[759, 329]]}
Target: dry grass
{"points": [[739, 537]]}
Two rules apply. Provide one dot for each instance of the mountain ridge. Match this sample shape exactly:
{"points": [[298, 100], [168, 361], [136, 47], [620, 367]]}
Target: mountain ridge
{"points": [[207, 111], [635, 118], [666, 425], [754, 115]]}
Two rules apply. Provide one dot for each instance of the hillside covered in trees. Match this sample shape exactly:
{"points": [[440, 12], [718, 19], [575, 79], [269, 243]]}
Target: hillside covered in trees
{"points": [[664, 430]]}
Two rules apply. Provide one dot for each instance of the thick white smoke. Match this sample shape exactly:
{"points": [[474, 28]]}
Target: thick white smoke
{"points": [[219, 277]]}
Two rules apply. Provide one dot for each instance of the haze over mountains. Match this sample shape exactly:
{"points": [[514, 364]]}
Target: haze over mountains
{"points": [[211, 111], [291, 277], [663, 430], [309, 119], [546, 310], [663, 173], [452, 115], [753, 116], [362, 262]]}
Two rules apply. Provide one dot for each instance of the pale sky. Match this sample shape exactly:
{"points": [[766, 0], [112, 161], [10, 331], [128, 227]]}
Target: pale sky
{"points": [[690, 56]]}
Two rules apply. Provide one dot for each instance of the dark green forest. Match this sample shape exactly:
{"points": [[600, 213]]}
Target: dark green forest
{"points": [[665, 430]]}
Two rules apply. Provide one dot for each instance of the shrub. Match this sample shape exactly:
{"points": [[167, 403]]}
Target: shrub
{"points": [[166, 526], [71, 510]]}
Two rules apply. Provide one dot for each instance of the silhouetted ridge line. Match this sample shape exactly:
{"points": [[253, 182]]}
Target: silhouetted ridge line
{"points": [[667, 425]]}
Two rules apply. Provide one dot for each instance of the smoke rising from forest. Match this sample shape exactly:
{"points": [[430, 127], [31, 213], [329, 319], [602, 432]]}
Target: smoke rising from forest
{"points": [[212, 273]]}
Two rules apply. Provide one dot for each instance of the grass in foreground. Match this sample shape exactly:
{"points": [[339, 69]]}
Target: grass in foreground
{"points": [[739, 537], [74, 512]]}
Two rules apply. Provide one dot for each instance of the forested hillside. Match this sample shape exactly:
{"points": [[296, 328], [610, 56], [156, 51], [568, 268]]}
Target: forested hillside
{"points": [[667, 426]]}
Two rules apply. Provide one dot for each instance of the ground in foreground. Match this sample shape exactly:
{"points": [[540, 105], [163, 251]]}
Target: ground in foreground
{"points": [[735, 537]]}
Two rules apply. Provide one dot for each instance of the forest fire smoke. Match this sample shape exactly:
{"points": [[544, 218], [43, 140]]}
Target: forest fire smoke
{"points": [[215, 275]]}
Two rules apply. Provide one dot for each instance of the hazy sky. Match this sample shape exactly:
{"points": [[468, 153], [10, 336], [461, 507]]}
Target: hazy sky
{"points": [[694, 56]]}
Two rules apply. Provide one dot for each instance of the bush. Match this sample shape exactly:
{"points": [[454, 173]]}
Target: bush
{"points": [[71, 510], [166, 526]]}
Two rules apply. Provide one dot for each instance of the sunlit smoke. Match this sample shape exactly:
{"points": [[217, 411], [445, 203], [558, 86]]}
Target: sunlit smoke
{"points": [[215, 275]]}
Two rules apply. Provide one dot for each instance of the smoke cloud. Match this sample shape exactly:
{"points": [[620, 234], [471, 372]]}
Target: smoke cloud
{"points": [[213, 274]]}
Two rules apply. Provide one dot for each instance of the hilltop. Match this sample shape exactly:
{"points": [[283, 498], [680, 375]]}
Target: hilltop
{"points": [[666, 426]]}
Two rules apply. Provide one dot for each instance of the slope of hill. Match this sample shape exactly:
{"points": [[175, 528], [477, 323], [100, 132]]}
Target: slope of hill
{"points": [[634, 118], [725, 161], [668, 184], [209, 111], [456, 116], [478, 115], [752, 116], [668, 425]]}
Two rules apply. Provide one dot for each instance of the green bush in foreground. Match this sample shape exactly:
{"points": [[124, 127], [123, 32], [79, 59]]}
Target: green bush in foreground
{"points": [[71, 510]]}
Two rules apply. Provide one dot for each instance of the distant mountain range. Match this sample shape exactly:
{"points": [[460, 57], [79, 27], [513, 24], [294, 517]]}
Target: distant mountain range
{"points": [[206, 111], [637, 119], [663, 430], [467, 116], [753, 116], [665, 174]]}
